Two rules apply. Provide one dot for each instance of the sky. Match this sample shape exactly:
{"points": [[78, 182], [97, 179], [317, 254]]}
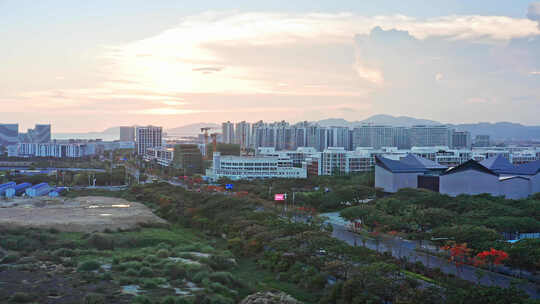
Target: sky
{"points": [[88, 65]]}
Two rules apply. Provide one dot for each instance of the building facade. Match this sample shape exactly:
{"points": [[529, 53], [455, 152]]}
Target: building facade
{"points": [[9, 134], [148, 137], [127, 134], [249, 167]]}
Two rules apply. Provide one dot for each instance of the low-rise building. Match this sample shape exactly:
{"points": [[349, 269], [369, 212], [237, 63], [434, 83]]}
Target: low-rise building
{"points": [[251, 167]]}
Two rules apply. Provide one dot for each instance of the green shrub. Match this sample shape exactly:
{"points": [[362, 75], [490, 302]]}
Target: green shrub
{"points": [[94, 298], [200, 276], [132, 272], [101, 241], [219, 262], [163, 253], [151, 259], [21, 297], [89, 266], [150, 283], [141, 300], [146, 272], [225, 278], [64, 252], [8, 259], [168, 300], [175, 271]]}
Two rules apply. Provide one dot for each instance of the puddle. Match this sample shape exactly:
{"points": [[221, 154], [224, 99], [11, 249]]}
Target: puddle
{"points": [[131, 289]]}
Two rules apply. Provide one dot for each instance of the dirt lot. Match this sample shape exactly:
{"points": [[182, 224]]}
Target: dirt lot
{"points": [[81, 214]]}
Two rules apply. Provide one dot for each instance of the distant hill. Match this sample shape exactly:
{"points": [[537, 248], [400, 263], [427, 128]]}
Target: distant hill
{"points": [[193, 129], [498, 131], [502, 130], [381, 119]]}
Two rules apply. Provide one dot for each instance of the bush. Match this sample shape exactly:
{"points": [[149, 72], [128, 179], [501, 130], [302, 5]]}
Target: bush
{"points": [[225, 278], [101, 241], [175, 271], [89, 266], [200, 276], [132, 273], [64, 252], [168, 300], [11, 258], [94, 298], [219, 262], [141, 300], [151, 259], [163, 253], [146, 272], [21, 297]]}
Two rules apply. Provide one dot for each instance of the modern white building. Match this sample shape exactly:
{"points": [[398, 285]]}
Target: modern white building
{"points": [[148, 137], [227, 132], [251, 167], [162, 155]]}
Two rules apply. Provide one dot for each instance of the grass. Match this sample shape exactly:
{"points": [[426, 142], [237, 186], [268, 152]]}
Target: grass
{"points": [[261, 279], [417, 276]]}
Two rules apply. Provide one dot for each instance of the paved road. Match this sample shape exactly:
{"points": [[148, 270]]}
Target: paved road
{"points": [[401, 248]]}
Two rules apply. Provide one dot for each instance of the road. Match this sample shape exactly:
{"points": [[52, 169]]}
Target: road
{"points": [[406, 249]]}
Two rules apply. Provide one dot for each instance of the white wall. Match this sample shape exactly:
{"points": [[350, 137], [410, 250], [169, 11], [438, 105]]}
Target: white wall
{"points": [[384, 179], [469, 182], [515, 188], [392, 182]]}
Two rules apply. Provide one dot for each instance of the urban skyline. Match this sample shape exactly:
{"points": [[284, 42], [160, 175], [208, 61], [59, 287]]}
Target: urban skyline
{"points": [[207, 60]]}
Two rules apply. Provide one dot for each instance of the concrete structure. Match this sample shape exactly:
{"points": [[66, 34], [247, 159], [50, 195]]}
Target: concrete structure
{"points": [[227, 132], [429, 136], [495, 176], [189, 158], [9, 134], [248, 167], [162, 155], [127, 134], [461, 140], [148, 137], [482, 141], [242, 134]]}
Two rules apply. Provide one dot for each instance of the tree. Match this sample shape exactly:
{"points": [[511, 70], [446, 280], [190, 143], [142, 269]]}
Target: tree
{"points": [[459, 254], [490, 257]]}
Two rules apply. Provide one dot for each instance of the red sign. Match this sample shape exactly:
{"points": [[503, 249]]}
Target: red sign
{"points": [[279, 197]]}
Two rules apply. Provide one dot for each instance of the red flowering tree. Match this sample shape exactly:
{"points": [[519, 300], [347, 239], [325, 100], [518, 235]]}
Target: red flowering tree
{"points": [[459, 255], [490, 257]]}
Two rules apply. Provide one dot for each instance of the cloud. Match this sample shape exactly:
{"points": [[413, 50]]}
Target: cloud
{"points": [[499, 72], [207, 70], [534, 12], [283, 65]]}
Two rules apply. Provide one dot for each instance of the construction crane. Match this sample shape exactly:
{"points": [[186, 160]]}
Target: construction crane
{"points": [[214, 142], [205, 131]]}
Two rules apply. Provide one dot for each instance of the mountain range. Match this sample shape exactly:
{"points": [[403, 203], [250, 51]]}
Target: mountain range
{"points": [[497, 131]]}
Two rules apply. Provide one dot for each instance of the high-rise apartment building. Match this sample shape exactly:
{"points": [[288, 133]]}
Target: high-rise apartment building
{"points": [[9, 134], [375, 136], [243, 134], [127, 133], [147, 137], [227, 131], [461, 139], [482, 141], [430, 136], [40, 134]]}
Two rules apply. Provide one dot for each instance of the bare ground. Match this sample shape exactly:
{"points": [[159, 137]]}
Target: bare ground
{"points": [[81, 214]]}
